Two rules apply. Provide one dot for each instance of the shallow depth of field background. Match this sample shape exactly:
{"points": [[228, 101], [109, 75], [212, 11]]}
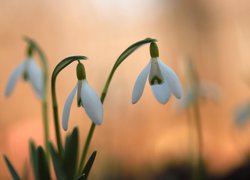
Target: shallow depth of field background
{"points": [[148, 135]]}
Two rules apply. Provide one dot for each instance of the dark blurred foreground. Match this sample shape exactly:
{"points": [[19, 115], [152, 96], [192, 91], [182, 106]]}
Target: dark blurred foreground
{"points": [[184, 172]]}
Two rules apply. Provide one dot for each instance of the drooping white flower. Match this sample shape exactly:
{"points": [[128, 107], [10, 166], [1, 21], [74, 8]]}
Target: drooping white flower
{"points": [[31, 71], [86, 97], [162, 79]]}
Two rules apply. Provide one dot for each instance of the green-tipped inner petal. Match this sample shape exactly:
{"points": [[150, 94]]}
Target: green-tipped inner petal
{"points": [[155, 76]]}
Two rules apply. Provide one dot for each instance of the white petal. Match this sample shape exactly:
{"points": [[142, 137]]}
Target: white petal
{"points": [[172, 79], [35, 75], [91, 103], [140, 84], [66, 109], [161, 92], [13, 78]]}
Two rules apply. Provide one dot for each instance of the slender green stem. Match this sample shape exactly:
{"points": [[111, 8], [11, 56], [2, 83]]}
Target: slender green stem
{"points": [[119, 60], [56, 120], [86, 147], [44, 62], [60, 66]]}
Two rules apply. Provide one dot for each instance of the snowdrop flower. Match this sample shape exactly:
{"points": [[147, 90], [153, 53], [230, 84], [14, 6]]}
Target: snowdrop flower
{"points": [[86, 97], [30, 71], [162, 79]]}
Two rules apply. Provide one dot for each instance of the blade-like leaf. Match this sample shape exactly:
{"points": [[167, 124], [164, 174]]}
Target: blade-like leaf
{"points": [[12, 170], [71, 154], [57, 163], [88, 165], [33, 156], [43, 168]]}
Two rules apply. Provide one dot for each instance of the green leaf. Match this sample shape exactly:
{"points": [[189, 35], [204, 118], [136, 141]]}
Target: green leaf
{"points": [[71, 154], [33, 156], [43, 167], [88, 166], [12, 170], [57, 163]]}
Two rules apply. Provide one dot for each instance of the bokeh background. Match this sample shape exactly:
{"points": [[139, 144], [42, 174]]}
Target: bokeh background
{"points": [[134, 140]]}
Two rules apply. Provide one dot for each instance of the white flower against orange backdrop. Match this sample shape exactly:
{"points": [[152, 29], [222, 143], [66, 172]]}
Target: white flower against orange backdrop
{"points": [[30, 71], [162, 79], [86, 97]]}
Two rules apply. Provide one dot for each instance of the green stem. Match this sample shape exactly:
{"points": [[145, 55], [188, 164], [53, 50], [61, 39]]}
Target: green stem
{"points": [[60, 66], [86, 147], [44, 62], [119, 60]]}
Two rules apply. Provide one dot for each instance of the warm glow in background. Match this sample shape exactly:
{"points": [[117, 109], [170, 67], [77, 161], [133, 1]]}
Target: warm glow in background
{"points": [[216, 34]]}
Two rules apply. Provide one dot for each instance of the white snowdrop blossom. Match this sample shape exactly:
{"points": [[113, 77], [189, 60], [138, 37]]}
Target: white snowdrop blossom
{"points": [[86, 97], [162, 79], [30, 71]]}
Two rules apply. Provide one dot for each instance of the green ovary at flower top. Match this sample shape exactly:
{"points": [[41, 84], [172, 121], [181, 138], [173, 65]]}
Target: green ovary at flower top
{"points": [[86, 97], [30, 71], [162, 79]]}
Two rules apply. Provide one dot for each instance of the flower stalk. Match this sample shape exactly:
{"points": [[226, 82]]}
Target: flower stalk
{"points": [[64, 63], [32, 45], [119, 60]]}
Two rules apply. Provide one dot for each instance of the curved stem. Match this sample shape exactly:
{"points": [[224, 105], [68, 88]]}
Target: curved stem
{"points": [[44, 62], [60, 66], [119, 60]]}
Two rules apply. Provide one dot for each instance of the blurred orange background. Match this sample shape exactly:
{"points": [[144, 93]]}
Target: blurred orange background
{"points": [[214, 33]]}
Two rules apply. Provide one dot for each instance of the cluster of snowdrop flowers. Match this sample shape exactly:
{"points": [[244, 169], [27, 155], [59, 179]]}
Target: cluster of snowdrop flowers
{"points": [[86, 97], [162, 79], [31, 72]]}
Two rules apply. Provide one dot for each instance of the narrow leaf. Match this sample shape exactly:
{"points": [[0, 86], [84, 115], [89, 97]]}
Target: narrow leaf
{"points": [[43, 168], [71, 154], [12, 170], [33, 156], [89, 164], [57, 163]]}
